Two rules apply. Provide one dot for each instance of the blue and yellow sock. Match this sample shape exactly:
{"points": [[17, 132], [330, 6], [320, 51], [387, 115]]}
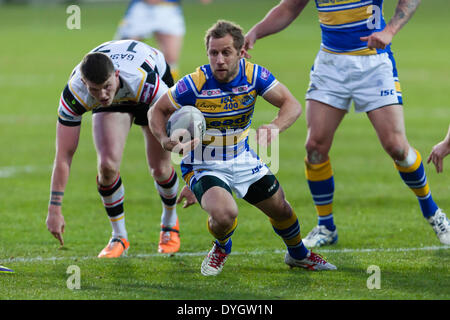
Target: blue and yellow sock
{"points": [[289, 231], [225, 241], [413, 174], [321, 185]]}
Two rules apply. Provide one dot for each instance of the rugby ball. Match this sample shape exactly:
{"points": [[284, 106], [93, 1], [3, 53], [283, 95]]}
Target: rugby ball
{"points": [[187, 118]]}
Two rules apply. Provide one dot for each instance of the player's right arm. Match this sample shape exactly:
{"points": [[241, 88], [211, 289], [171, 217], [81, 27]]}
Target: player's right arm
{"points": [[278, 18], [67, 138]]}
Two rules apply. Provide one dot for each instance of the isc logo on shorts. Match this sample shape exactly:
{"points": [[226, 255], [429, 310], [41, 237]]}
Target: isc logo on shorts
{"points": [[257, 168], [385, 93]]}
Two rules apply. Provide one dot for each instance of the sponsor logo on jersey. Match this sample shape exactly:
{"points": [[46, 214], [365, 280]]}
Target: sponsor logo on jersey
{"points": [[147, 93], [123, 56], [211, 92], [240, 89], [265, 73], [239, 121], [247, 100], [181, 87]]}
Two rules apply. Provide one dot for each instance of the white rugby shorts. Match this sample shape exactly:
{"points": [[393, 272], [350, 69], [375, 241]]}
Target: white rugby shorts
{"points": [[143, 19], [369, 81], [238, 173]]}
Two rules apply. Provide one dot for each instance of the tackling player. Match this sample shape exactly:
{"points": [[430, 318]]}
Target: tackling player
{"points": [[117, 81], [225, 91], [355, 63]]}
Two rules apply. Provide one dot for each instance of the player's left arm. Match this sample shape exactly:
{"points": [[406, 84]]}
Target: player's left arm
{"points": [[403, 12], [290, 109]]}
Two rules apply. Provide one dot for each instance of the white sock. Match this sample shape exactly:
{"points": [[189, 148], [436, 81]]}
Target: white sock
{"points": [[118, 226], [168, 191], [169, 216]]}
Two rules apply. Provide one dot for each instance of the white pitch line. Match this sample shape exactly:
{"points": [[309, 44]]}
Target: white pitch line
{"points": [[236, 253], [8, 172]]}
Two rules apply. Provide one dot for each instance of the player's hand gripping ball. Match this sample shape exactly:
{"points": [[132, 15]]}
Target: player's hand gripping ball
{"points": [[186, 124]]}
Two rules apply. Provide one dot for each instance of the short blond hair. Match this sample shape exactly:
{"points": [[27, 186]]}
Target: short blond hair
{"points": [[222, 28]]}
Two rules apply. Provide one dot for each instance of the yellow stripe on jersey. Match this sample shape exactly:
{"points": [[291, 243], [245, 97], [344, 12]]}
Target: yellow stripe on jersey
{"points": [[172, 100], [249, 70], [199, 78], [363, 52], [144, 76], [333, 18], [78, 97], [398, 88], [326, 3]]}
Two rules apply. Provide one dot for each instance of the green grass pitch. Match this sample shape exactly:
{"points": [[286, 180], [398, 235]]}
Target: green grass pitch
{"points": [[378, 218]]}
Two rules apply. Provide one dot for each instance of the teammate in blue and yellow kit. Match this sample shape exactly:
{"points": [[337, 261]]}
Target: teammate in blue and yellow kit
{"points": [[162, 19], [225, 91], [354, 63]]}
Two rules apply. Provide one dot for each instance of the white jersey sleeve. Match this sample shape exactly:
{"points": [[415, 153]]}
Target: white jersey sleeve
{"points": [[141, 68]]}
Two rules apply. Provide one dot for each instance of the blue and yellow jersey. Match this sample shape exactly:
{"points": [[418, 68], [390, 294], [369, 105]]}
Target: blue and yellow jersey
{"points": [[227, 107], [343, 22]]}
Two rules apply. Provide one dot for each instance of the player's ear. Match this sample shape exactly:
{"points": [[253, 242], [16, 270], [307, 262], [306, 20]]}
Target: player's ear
{"points": [[117, 73], [242, 53]]}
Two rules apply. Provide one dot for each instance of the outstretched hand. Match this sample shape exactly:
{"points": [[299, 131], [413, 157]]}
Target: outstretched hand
{"points": [[188, 196], [55, 225], [249, 42], [438, 154]]}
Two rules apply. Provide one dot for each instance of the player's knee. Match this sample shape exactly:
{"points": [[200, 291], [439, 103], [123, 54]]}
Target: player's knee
{"points": [[396, 151], [107, 172], [161, 172], [316, 152], [223, 218], [283, 211]]}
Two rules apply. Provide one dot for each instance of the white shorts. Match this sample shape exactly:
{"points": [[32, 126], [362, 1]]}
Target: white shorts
{"points": [[369, 81], [238, 173], [142, 20]]}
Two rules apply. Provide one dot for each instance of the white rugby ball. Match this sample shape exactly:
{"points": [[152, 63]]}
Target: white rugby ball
{"points": [[187, 118]]}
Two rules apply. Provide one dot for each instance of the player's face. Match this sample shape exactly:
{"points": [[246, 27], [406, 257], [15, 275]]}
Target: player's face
{"points": [[104, 93], [224, 58]]}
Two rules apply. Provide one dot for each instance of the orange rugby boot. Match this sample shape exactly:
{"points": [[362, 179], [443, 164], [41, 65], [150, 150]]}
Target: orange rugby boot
{"points": [[115, 248], [169, 239]]}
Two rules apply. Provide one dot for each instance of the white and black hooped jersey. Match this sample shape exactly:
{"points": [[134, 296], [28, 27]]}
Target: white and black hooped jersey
{"points": [[141, 69]]}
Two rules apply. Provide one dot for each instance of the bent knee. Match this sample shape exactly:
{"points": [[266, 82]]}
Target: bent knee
{"points": [[107, 172], [162, 172], [223, 218], [396, 151]]}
